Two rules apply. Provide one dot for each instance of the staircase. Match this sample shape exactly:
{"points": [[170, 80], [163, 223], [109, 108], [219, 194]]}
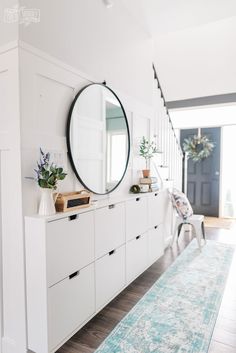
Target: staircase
{"points": [[168, 164]]}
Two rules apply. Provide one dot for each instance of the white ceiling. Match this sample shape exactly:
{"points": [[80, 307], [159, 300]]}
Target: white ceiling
{"points": [[165, 16], [195, 44]]}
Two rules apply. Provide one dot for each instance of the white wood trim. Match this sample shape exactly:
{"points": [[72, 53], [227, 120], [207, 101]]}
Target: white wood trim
{"points": [[9, 46], [14, 321], [51, 59], [4, 140]]}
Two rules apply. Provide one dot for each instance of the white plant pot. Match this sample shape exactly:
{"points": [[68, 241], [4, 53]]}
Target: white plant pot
{"points": [[46, 204]]}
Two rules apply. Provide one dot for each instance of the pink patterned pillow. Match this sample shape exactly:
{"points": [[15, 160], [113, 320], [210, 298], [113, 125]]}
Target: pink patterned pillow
{"points": [[181, 203]]}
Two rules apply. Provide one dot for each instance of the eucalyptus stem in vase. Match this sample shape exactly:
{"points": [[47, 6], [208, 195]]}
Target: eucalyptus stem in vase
{"points": [[147, 150], [48, 175]]}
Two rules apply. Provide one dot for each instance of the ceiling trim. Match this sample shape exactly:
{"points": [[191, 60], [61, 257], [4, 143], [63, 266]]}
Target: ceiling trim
{"points": [[201, 101]]}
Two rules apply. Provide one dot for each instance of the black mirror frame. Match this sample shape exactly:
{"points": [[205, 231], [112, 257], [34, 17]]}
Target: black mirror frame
{"points": [[68, 138]]}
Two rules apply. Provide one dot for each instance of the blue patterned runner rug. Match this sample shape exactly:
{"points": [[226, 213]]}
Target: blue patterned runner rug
{"points": [[178, 313]]}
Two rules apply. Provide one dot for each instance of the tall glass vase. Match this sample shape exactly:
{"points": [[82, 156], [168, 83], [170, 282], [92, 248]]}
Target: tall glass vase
{"points": [[46, 204]]}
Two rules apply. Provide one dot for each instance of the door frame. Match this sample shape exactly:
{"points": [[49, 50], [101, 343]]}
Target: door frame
{"points": [[221, 169]]}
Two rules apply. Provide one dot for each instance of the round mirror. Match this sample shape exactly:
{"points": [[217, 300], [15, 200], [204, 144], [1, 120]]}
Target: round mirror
{"points": [[98, 138]]}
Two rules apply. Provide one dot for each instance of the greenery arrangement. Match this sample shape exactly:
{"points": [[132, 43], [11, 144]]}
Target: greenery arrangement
{"points": [[198, 148], [48, 174], [147, 149], [135, 189]]}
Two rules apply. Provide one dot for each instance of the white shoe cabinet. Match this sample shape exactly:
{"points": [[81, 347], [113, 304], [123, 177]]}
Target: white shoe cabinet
{"points": [[77, 262]]}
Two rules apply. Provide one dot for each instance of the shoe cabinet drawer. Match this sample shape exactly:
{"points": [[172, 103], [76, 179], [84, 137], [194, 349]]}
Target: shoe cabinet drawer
{"points": [[110, 276], [71, 302], [155, 244], [155, 209], [136, 217], [136, 257], [70, 245], [109, 228]]}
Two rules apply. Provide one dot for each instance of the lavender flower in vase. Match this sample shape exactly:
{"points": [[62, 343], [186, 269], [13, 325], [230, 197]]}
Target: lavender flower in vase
{"points": [[48, 175]]}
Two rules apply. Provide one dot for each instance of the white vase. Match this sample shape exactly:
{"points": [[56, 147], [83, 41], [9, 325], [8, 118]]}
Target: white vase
{"points": [[46, 204]]}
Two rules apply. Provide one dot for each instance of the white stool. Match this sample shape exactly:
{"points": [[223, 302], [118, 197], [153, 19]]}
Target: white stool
{"points": [[196, 221]]}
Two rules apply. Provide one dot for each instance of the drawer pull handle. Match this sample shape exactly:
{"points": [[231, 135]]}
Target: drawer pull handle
{"points": [[111, 206], [138, 237], [73, 217], [75, 274], [112, 252], [155, 227], [138, 199]]}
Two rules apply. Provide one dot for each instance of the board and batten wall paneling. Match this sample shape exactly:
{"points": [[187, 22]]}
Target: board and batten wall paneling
{"points": [[48, 88], [13, 326], [47, 91], [34, 112]]}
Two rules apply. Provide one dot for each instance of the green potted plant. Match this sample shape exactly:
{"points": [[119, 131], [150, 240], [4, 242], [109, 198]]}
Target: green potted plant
{"points": [[147, 149], [48, 175]]}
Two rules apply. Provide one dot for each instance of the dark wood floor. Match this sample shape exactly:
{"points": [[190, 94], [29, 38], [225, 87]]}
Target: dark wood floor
{"points": [[224, 336]]}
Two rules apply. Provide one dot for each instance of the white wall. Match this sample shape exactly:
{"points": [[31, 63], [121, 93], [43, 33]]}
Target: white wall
{"points": [[8, 31], [105, 43]]}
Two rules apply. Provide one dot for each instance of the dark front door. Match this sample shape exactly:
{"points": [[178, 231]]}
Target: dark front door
{"points": [[203, 177]]}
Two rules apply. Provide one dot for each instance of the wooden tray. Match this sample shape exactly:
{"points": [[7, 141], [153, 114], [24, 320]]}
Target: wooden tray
{"points": [[69, 201]]}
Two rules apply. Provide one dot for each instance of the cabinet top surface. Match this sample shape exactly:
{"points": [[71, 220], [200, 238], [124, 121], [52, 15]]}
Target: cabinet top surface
{"points": [[95, 204]]}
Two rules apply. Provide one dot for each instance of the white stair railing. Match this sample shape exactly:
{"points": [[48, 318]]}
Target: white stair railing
{"points": [[169, 166]]}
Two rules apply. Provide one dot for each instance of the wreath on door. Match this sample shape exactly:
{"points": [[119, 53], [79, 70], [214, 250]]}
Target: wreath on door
{"points": [[198, 147]]}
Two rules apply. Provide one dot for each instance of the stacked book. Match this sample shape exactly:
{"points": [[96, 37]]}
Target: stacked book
{"points": [[151, 182]]}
